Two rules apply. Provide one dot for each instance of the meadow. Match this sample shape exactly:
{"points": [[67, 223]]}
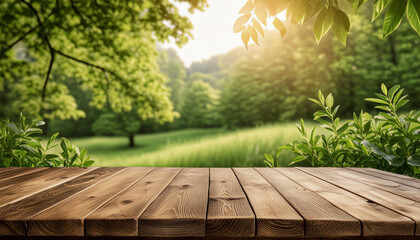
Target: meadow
{"points": [[214, 147]]}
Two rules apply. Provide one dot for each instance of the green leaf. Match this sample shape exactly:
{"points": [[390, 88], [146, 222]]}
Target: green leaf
{"points": [[40, 123], [14, 128], [341, 25], [394, 16], [414, 160], [401, 103], [379, 6], [413, 14], [88, 163], [52, 138], [356, 4], [268, 157], [376, 100], [329, 101], [384, 89], [302, 124], [392, 91], [323, 23]]}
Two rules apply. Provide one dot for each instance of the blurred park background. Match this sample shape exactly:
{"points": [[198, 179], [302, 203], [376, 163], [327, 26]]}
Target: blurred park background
{"points": [[212, 102]]}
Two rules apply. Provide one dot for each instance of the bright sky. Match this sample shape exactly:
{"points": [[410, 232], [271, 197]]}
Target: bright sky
{"points": [[212, 30]]}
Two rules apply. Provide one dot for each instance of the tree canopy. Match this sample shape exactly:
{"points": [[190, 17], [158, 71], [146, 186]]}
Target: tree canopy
{"points": [[109, 46], [327, 14]]}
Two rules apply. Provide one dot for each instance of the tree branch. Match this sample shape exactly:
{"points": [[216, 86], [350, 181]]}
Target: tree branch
{"points": [[22, 37], [86, 63], [44, 89], [53, 51]]}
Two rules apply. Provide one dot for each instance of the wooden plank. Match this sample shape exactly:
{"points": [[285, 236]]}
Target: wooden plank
{"points": [[180, 210], [387, 185], [406, 180], [376, 219], [274, 215], [404, 206], [67, 217], [13, 216], [25, 174], [229, 213], [51, 178], [11, 172], [322, 219], [119, 217]]}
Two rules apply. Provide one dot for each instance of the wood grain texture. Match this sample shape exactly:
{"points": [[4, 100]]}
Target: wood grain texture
{"points": [[119, 217], [229, 213], [12, 172], [13, 216], [24, 176], [406, 180], [67, 217], [387, 185], [404, 206], [376, 219], [322, 219], [27, 188], [274, 215], [180, 210]]}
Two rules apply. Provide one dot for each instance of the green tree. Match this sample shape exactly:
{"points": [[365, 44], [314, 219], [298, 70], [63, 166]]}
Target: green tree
{"points": [[369, 60], [204, 77], [171, 65], [273, 82], [108, 45], [200, 105], [118, 124]]}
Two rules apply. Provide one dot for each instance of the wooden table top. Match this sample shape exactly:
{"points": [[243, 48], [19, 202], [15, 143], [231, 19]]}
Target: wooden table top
{"points": [[203, 202]]}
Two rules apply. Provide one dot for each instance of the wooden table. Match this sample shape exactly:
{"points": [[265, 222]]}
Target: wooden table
{"points": [[203, 203]]}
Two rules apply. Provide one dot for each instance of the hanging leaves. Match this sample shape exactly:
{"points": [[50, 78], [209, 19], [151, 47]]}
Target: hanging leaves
{"points": [[323, 23], [253, 33], [280, 26], [379, 6], [328, 15], [242, 20], [257, 26], [341, 25], [248, 7], [394, 16], [413, 14], [261, 13], [245, 38]]}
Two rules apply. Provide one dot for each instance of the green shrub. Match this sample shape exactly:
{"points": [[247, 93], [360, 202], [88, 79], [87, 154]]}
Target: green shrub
{"points": [[19, 148], [387, 141]]}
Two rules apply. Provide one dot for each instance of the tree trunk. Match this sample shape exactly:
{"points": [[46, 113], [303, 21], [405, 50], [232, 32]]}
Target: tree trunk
{"points": [[131, 138]]}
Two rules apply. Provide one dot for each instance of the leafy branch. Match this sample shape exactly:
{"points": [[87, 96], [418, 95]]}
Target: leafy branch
{"points": [[388, 141], [327, 13], [53, 51]]}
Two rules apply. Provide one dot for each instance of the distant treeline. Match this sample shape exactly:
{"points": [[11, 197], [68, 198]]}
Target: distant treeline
{"points": [[271, 82]]}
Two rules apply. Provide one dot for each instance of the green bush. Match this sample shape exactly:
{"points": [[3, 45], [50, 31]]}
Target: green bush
{"points": [[387, 141], [19, 148]]}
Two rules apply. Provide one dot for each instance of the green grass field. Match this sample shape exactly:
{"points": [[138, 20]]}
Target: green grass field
{"points": [[192, 147]]}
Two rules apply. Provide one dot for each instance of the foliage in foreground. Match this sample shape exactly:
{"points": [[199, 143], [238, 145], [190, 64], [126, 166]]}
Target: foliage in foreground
{"points": [[19, 148], [387, 141], [328, 14]]}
